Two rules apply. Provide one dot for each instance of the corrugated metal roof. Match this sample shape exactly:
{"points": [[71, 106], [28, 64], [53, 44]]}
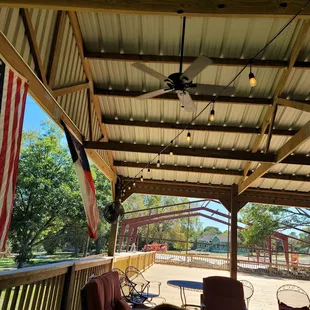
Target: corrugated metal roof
{"points": [[12, 26]]}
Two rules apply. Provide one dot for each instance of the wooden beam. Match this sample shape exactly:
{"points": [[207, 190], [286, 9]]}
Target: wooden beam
{"points": [[288, 148], [232, 8], [216, 171], [270, 113], [198, 127], [221, 192], [79, 41], [186, 151], [36, 88], [174, 59], [204, 98], [295, 104], [56, 48], [32, 39], [69, 89]]}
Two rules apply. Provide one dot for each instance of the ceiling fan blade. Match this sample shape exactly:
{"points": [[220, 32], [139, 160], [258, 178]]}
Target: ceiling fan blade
{"points": [[150, 71], [198, 65], [206, 89], [153, 94], [186, 101]]}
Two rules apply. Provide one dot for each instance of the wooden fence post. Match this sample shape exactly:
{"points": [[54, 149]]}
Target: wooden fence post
{"points": [[67, 293]]}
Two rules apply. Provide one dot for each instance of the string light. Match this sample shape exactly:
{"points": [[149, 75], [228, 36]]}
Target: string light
{"points": [[129, 188], [158, 161], [252, 79], [141, 179], [188, 137], [149, 169], [171, 151], [134, 184], [212, 115]]}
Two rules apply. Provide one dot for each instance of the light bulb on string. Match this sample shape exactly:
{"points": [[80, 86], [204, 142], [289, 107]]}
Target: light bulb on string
{"points": [[148, 169], [188, 137], [212, 115], [129, 188], [134, 184], [252, 79], [158, 161], [171, 151], [141, 178]]}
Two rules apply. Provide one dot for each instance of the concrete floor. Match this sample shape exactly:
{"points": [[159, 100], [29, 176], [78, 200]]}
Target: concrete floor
{"points": [[265, 287]]}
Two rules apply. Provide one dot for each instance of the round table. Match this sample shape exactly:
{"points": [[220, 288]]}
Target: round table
{"points": [[186, 285]]}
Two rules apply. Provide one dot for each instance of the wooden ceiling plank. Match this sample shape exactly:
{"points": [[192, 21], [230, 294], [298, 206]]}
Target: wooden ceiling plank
{"points": [[270, 113], [195, 152], [32, 39], [231, 8], [196, 127], [70, 89], [305, 107], [56, 48], [79, 39]]}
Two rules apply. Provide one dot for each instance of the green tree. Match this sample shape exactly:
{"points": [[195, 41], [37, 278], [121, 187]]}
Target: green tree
{"points": [[261, 221], [211, 230]]}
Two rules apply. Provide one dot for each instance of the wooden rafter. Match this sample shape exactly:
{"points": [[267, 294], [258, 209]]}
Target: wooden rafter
{"points": [[220, 192], [79, 39], [70, 89], [232, 8], [56, 48], [31, 35], [270, 113], [217, 171], [194, 152], [289, 147], [203, 98], [172, 59], [302, 106], [198, 127]]}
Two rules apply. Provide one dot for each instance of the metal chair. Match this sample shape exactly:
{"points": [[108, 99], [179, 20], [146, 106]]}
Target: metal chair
{"points": [[129, 293], [290, 295], [248, 290], [146, 288]]}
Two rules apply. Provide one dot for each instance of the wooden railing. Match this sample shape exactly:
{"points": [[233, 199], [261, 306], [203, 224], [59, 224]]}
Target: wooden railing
{"points": [[57, 286], [142, 261], [221, 263]]}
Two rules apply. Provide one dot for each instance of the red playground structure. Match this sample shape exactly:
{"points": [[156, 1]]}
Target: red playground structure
{"points": [[158, 247]]}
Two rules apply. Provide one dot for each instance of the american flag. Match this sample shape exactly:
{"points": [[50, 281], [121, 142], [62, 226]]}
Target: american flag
{"points": [[13, 92], [87, 186]]}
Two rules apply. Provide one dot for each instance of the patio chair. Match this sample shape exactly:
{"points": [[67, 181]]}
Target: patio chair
{"points": [[290, 296], [129, 293], [248, 290], [222, 293], [146, 288]]}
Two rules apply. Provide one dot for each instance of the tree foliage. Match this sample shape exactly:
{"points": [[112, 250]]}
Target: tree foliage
{"points": [[261, 221]]}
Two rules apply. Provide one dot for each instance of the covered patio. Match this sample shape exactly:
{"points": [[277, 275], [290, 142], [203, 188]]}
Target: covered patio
{"points": [[254, 146]]}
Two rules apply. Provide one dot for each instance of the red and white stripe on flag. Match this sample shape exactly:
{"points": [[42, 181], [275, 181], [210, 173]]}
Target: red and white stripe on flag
{"points": [[13, 92]]}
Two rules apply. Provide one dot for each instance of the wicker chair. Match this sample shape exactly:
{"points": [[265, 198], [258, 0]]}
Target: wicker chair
{"points": [[290, 296], [248, 290]]}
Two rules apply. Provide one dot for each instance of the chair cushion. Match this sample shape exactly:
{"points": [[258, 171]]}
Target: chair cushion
{"points": [[101, 293], [283, 306], [121, 304]]}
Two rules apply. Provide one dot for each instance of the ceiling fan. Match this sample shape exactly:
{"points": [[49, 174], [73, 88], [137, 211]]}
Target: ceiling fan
{"points": [[182, 82]]}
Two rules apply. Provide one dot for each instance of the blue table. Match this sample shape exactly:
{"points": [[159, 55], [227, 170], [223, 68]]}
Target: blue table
{"points": [[186, 285]]}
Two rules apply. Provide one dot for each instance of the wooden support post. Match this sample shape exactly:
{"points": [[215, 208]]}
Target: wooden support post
{"points": [[233, 233], [114, 226]]}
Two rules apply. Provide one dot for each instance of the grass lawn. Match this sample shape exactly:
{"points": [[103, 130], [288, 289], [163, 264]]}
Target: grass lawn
{"points": [[39, 259]]}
